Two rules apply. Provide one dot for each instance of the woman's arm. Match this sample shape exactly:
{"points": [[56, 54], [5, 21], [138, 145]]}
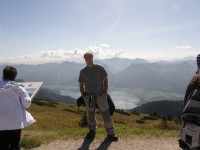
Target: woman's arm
{"points": [[24, 97]]}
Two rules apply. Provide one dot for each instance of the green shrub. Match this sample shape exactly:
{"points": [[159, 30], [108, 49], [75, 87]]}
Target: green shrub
{"points": [[150, 118], [135, 113], [48, 104], [163, 124], [83, 122], [121, 111], [140, 121]]}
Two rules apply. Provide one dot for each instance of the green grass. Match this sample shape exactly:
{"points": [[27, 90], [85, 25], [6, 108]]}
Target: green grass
{"points": [[61, 121]]}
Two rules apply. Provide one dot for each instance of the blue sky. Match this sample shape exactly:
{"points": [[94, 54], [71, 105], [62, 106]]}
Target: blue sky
{"points": [[56, 30]]}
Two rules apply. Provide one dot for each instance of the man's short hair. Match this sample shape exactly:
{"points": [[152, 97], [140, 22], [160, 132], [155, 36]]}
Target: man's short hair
{"points": [[9, 73], [88, 53]]}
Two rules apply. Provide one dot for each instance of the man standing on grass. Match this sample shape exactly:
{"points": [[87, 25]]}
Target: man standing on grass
{"points": [[93, 83]]}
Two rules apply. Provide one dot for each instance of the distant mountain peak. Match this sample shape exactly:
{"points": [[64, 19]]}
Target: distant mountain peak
{"points": [[139, 60]]}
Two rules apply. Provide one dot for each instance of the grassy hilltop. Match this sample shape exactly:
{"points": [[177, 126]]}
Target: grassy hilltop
{"points": [[56, 120]]}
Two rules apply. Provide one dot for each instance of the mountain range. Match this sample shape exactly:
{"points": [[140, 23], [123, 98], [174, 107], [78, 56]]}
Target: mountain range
{"points": [[170, 77], [162, 76], [49, 94], [134, 73]]}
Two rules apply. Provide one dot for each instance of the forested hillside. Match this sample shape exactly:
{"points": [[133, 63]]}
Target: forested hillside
{"points": [[161, 108]]}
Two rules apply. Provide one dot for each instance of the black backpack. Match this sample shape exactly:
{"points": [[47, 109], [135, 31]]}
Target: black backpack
{"points": [[111, 104], [80, 101]]}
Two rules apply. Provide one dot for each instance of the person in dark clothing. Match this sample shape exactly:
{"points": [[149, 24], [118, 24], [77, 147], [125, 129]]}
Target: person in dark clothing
{"points": [[190, 93], [194, 82], [93, 84]]}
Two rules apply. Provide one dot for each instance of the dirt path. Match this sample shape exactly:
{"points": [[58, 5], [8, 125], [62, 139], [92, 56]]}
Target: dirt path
{"points": [[134, 143]]}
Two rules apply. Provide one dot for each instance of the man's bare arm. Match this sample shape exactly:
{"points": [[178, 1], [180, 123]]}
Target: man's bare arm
{"points": [[81, 87]]}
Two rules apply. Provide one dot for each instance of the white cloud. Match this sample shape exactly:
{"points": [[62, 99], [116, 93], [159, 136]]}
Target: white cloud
{"points": [[105, 46], [184, 47], [101, 52], [176, 52]]}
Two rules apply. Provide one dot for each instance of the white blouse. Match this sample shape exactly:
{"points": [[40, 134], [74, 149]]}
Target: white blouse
{"points": [[14, 99]]}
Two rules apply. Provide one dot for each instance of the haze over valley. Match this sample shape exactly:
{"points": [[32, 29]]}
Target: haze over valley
{"points": [[132, 82]]}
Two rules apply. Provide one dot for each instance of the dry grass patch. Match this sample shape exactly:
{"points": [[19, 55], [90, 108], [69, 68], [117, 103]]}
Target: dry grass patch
{"points": [[56, 120]]}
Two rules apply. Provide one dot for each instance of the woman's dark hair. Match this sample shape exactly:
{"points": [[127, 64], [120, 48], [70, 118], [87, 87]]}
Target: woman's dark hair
{"points": [[9, 73]]}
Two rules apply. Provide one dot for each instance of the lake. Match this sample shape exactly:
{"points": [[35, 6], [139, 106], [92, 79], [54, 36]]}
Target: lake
{"points": [[122, 100]]}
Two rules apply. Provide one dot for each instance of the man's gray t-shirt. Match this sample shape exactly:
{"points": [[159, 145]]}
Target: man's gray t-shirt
{"points": [[92, 77]]}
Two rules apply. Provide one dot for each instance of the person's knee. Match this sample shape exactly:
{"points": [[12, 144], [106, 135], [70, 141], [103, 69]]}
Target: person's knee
{"points": [[106, 116]]}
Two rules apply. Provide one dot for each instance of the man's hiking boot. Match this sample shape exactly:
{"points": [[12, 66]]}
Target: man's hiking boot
{"points": [[113, 137], [91, 134]]}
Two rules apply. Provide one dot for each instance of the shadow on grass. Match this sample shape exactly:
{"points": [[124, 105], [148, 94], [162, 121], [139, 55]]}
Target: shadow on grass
{"points": [[73, 111], [47, 104], [120, 122]]}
